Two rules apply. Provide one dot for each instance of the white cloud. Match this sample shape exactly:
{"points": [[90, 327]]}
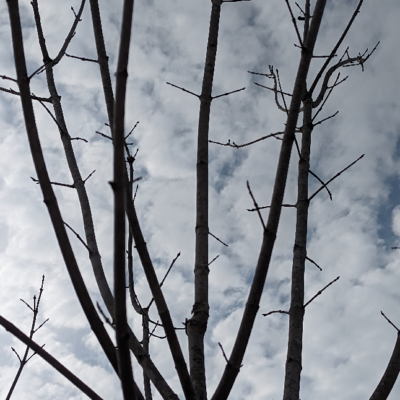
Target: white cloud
{"points": [[347, 342], [396, 221]]}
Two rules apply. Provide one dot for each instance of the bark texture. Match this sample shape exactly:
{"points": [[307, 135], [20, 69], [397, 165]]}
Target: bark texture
{"points": [[119, 186], [197, 325], [296, 311]]}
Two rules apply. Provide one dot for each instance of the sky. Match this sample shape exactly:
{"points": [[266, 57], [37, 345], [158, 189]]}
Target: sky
{"points": [[347, 342]]}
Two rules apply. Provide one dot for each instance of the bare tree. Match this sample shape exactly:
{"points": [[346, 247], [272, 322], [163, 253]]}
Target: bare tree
{"points": [[298, 105]]}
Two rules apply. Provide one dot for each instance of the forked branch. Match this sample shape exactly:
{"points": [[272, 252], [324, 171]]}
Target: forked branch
{"points": [[335, 49], [257, 286], [50, 359], [33, 330], [48, 193]]}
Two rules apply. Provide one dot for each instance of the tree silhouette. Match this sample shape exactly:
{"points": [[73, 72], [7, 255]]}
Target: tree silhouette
{"points": [[301, 107]]}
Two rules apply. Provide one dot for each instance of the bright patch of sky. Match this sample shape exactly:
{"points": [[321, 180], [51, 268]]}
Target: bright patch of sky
{"points": [[347, 342]]}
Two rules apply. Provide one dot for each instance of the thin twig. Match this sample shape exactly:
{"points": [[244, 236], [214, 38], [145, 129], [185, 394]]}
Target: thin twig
{"points": [[41, 325], [52, 117], [297, 147], [79, 238], [334, 50], [264, 207], [312, 298], [219, 240], [187, 91], [276, 311], [169, 269], [223, 352], [134, 126], [109, 322], [312, 261], [39, 70], [259, 73], [272, 89], [213, 260], [25, 358], [322, 182], [159, 337], [227, 94], [162, 326], [325, 119], [237, 146], [165, 276], [55, 183], [295, 24], [32, 309], [255, 204], [14, 92], [82, 58], [84, 181], [281, 92], [330, 180], [102, 134], [134, 197], [390, 322], [70, 35], [301, 10], [7, 78], [328, 95], [154, 328], [79, 138], [19, 358]]}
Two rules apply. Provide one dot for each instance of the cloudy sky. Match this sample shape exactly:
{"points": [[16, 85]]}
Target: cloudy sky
{"points": [[347, 342]]}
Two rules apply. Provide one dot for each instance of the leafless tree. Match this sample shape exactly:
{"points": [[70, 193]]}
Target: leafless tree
{"points": [[308, 94]]}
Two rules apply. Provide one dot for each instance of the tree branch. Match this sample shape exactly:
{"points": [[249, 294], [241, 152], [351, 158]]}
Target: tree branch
{"points": [[119, 186], [334, 50], [33, 330], [260, 274], [238, 146], [338, 174], [320, 291], [71, 34], [390, 375], [48, 194], [46, 356]]}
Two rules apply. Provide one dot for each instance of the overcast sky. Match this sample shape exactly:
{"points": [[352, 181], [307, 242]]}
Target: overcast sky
{"points": [[347, 343]]}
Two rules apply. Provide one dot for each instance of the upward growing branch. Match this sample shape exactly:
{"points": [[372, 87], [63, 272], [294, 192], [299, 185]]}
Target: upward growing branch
{"points": [[142, 357], [47, 190], [197, 325], [253, 301], [25, 358], [120, 188], [296, 311]]}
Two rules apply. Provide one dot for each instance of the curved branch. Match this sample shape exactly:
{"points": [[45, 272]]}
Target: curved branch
{"points": [[334, 50], [359, 60], [390, 375]]}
